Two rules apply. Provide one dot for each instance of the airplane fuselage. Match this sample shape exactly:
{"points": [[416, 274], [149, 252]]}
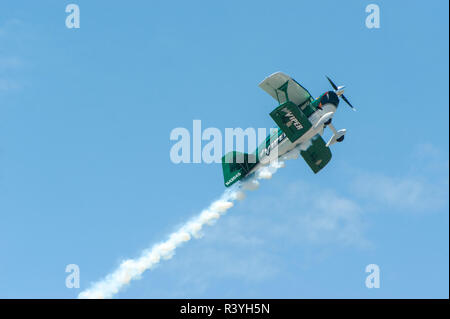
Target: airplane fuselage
{"points": [[276, 145]]}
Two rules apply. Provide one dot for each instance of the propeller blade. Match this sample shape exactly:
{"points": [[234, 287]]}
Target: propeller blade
{"points": [[332, 84], [347, 101]]}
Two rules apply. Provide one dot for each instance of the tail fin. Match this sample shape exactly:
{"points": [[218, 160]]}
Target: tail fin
{"points": [[237, 165]]}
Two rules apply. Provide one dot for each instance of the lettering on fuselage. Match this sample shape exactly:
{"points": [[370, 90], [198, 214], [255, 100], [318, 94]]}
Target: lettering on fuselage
{"points": [[274, 143], [294, 120]]}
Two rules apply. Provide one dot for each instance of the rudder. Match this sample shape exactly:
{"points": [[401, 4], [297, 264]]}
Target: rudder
{"points": [[236, 165]]}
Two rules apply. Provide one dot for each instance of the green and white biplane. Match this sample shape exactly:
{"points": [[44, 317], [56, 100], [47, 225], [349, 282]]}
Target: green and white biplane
{"points": [[301, 120]]}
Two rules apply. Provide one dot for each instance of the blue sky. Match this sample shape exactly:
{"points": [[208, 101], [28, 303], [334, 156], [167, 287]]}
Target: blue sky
{"points": [[85, 173]]}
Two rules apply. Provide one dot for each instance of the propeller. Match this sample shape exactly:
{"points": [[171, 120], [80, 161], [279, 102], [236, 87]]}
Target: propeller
{"points": [[340, 92]]}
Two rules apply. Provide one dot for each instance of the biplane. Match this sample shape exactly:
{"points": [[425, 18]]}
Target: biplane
{"points": [[301, 120]]}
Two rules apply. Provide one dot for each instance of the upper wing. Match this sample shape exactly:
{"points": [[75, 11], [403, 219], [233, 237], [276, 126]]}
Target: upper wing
{"points": [[283, 88]]}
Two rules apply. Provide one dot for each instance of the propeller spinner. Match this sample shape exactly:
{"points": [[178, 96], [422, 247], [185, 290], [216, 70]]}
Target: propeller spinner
{"points": [[340, 92]]}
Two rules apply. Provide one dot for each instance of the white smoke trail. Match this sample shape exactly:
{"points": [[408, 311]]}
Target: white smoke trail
{"points": [[132, 269]]}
